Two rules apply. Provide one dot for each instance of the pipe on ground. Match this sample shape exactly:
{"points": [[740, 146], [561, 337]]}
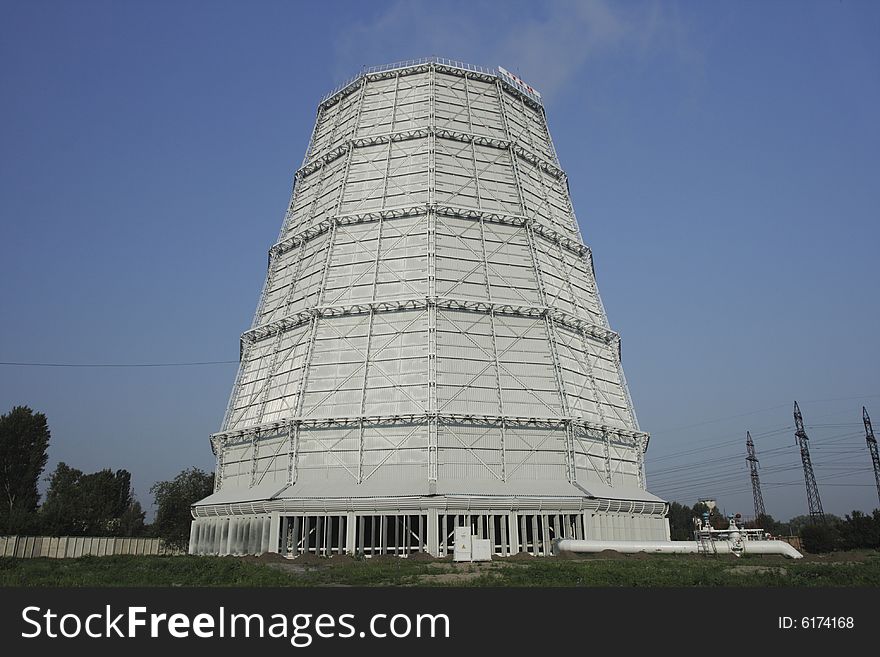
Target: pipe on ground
{"points": [[674, 547]]}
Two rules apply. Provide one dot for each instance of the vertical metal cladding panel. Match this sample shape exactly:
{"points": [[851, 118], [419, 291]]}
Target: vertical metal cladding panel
{"points": [[379, 109], [455, 181], [295, 280], [307, 189], [466, 371], [590, 463], [237, 460], [568, 283], [413, 102], [583, 398], [352, 264], [527, 127], [535, 453], [402, 259], [396, 452], [460, 268], [336, 124], [326, 204], [281, 389], [269, 385], [625, 468], [406, 181], [429, 292], [323, 131], [608, 384], [386, 175], [591, 380], [511, 273], [558, 202], [315, 195], [545, 197], [335, 379], [365, 184], [378, 260], [272, 461], [525, 367], [469, 453], [451, 103], [328, 454], [534, 196], [496, 181], [485, 109], [398, 359]]}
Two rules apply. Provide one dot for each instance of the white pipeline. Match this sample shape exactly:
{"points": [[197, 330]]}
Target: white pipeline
{"points": [[675, 547]]}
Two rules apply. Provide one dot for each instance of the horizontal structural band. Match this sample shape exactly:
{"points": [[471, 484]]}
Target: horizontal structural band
{"points": [[568, 243], [421, 133], [443, 503], [561, 317], [416, 66], [615, 435]]}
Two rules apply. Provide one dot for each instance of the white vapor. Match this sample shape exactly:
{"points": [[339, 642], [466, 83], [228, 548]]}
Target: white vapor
{"points": [[547, 44]]}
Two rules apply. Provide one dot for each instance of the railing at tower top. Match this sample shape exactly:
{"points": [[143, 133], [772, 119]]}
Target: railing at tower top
{"points": [[431, 60]]}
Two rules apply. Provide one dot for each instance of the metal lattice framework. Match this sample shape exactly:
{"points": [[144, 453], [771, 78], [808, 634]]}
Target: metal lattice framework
{"points": [[813, 501], [872, 447], [430, 325], [756, 482]]}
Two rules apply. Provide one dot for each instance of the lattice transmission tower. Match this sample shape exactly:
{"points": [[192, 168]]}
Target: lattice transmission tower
{"points": [[756, 482], [813, 501], [872, 447]]}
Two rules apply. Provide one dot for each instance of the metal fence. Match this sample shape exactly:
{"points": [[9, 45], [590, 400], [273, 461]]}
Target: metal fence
{"points": [[71, 547]]}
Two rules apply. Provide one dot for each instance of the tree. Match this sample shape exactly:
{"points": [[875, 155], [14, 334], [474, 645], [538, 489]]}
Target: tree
{"points": [[24, 439], [96, 504], [173, 501], [681, 522], [822, 536], [131, 522], [796, 524], [767, 523], [861, 531], [62, 503]]}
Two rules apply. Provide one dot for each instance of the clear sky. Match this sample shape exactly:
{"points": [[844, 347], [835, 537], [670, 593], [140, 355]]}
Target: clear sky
{"points": [[724, 160]]}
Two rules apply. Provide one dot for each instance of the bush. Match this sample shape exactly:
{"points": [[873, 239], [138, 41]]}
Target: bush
{"points": [[861, 531], [173, 501], [821, 537]]}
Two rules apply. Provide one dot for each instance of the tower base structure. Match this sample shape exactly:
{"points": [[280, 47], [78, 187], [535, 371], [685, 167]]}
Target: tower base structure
{"points": [[412, 525]]}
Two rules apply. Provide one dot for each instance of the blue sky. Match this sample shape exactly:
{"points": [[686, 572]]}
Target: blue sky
{"points": [[724, 161]]}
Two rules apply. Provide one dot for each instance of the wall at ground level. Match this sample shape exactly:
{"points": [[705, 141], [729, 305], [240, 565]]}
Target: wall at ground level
{"points": [[68, 547]]}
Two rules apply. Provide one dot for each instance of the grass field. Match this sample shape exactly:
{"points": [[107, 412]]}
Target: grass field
{"points": [[861, 568]]}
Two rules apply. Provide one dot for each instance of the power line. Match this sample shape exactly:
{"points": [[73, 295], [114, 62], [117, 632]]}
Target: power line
{"points": [[715, 446], [829, 445], [760, 410], [702, 473], [719, 419], [97, 365]]}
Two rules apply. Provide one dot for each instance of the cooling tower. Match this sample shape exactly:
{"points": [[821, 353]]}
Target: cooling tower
{"points": [[429, 350]]}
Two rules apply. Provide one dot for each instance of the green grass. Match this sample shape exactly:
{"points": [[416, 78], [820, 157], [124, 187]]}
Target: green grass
{"points": [[862, 569], [138, 571]]}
